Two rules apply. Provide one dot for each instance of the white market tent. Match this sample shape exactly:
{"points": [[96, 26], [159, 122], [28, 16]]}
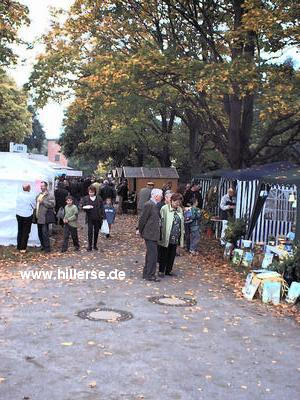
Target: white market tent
{"points": [[16, 170]]}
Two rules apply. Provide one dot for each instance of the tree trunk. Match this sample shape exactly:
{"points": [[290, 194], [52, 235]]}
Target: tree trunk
{"points": [[240, 108]]}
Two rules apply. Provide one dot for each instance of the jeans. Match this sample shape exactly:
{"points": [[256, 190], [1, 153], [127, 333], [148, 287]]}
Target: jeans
{"points": [[93, 232], [194, 238], [70, 230], [24, 228], [43, 232]]}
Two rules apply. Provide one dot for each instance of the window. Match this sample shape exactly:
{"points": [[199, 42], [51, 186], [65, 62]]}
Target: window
{"points": [[57, 157], [278, 207]]}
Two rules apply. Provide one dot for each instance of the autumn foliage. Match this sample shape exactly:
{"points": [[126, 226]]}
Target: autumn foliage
{"points": [[150, 72]]}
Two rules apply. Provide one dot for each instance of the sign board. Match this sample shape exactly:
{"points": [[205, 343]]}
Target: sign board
{"points": [[17, 148]]}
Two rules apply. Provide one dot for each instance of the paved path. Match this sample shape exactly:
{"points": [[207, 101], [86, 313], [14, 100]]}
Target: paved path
{"points": [[222, 348]]}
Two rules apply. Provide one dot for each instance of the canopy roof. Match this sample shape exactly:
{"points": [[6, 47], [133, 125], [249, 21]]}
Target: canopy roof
{"points": [[283, 172], [144, 172], [17, 168]]}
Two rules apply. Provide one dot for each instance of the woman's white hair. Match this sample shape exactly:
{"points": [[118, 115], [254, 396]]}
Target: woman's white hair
{"points": [[168, 193], [156, 192]]}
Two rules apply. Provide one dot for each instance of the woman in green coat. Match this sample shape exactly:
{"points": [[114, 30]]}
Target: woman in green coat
{"points": [[172, 233]]}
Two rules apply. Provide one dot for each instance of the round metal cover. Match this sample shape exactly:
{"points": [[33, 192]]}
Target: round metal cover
{"points": [[104, 314], [174, 301]]}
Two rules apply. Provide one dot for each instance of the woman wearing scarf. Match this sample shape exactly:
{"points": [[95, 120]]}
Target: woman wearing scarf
{"points": [[172, 233]]}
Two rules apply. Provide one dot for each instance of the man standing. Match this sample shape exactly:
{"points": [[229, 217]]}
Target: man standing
{"points": [[25, 205], [60, 195], [143, 196], [149, 228], [227, 206], [44, 202], [106, 192], [122, 192]]}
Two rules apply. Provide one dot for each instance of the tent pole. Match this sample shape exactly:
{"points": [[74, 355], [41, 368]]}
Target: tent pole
{"points": [[298, 215], [258, 206]]}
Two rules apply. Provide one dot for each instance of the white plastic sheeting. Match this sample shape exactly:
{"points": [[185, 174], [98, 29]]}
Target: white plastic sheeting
{"points": [[14, 172]]}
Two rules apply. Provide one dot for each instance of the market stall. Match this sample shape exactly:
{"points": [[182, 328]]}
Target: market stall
{"points": [[261, 196], [14, 172]]}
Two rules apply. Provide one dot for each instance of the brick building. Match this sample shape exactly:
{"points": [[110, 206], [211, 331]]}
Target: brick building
{"points": [[54, 154]]}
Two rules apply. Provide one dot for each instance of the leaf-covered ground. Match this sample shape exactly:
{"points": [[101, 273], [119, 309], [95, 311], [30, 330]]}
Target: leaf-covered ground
{"points": [[222, 348], [214, 269]]}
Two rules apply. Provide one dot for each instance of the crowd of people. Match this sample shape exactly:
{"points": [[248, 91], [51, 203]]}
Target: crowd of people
{"points": [[95, 197], [166, 220]]}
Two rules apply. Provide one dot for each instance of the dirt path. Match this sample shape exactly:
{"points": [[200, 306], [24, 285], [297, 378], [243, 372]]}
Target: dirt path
{"points": [[221, 348]]}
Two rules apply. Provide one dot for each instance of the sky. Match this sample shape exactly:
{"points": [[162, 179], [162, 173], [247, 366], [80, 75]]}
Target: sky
{"points": [[50, 116]]}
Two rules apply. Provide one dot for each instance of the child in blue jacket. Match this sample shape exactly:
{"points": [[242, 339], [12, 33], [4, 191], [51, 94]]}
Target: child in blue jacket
{"points": [[110, 213]]}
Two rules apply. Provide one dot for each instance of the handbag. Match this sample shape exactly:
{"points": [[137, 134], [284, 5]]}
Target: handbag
{"points": [[50, 217], [105, 227], [60, 213], [34, 217]]}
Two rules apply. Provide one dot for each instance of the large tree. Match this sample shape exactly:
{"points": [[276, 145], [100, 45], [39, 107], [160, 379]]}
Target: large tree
{"points": [[15, 119], [13, 15], [212, 57], [36, 140]]}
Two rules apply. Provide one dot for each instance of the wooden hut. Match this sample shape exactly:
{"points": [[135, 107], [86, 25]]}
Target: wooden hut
{"points": [[138, 177], [116, 173]]}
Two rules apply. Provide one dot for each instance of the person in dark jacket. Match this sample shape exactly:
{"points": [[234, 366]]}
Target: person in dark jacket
{"points": [[106, 192], [86, 184], [44, 202], [144, 196], [122, 192], [60, 195], [75, 191], [149, 228], [93, 206], [192, 194]]}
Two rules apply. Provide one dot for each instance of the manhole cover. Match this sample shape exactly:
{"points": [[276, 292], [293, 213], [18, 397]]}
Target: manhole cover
{"points": [[104, 314], [173, 301]]}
